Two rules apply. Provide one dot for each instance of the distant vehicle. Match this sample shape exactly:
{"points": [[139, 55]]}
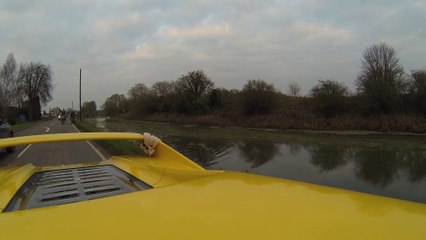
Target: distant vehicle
{"points": [[6, 132], [62, 118]]}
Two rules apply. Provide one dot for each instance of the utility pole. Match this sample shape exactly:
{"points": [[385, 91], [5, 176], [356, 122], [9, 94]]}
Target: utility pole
{"points": [[80, 94]]}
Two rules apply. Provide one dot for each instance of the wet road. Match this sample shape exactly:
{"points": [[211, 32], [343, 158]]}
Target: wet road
{"points": [[51, 154]]}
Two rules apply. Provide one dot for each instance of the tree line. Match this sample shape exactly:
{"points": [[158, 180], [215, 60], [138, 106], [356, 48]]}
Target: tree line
{"points": [[193, 94], [382, 88], [26, 86]]}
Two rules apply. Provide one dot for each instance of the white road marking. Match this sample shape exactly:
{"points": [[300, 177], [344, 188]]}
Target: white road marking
{"points": [[20, 154], [46, 129], [97, 151], [93, 147]]}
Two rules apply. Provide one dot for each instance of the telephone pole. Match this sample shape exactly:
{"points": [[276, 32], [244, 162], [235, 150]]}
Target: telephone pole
{"points": [[80, 94]]}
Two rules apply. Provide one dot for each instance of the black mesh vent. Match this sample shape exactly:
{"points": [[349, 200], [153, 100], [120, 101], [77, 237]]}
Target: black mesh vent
{"points": [[73, 185]]}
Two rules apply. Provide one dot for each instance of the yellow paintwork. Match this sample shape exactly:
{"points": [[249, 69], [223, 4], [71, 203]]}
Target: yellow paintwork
{"points": [[189, 203], [66, 137]]}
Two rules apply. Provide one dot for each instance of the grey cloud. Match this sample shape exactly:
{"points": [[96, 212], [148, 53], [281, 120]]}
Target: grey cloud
{"points": [[233, 41]]}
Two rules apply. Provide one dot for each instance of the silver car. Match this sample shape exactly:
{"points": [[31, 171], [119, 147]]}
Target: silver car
{"points": [[5, 132]]}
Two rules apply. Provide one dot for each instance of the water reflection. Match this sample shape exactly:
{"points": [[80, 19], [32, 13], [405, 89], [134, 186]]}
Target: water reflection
{"points": [[294, 148], [327, 158], [415, 162], [257, 153], [377, 167], [204, 151], [393, 167]]}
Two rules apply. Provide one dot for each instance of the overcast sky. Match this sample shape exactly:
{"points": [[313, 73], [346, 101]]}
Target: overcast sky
{"points": [[118, 43]]}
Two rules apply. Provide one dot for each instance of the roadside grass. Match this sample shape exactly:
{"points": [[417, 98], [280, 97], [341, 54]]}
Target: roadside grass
{"points": [[21, 126], [111, 147]]}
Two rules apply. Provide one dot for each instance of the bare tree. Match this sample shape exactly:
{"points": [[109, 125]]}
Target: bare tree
{"points": [[418, 89], [138, 91], [329, 96], [137, 98], [293, 89], [8, 85], [164, 94], [195, 84], [192, 90], [35, 81], [115, 104], [381, 77], [419, 81], [89, 109], [163, 88], [259, 97]]}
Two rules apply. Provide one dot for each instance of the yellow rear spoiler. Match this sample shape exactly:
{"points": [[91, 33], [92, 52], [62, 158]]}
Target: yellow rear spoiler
{"points": [[164, 151], [67, 137]]}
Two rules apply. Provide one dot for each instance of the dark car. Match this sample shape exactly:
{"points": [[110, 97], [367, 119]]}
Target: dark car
{"points": [[5, 132]]}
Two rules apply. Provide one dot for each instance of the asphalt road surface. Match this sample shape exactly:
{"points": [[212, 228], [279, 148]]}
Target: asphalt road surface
{"points": [[51, 154]]}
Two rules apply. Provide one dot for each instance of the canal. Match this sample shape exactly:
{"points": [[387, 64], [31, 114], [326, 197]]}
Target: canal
{"points": [[387, 165]]}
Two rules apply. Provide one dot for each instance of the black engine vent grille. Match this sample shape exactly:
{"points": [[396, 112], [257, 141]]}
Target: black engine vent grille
{"points": [[73, 185]]}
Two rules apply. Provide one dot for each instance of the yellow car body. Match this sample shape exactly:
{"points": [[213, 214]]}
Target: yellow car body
{"points": [[189, 202]]}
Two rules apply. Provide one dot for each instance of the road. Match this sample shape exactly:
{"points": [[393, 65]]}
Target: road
{"points": [[51, 154]]}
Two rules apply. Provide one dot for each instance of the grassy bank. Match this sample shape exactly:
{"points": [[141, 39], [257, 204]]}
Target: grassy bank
{"points": [[303, 122], [19, 126], [111, 147]]}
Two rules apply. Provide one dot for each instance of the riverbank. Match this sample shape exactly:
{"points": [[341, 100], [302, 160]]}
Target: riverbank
{"points": [[111, 147], [346, 125]]}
